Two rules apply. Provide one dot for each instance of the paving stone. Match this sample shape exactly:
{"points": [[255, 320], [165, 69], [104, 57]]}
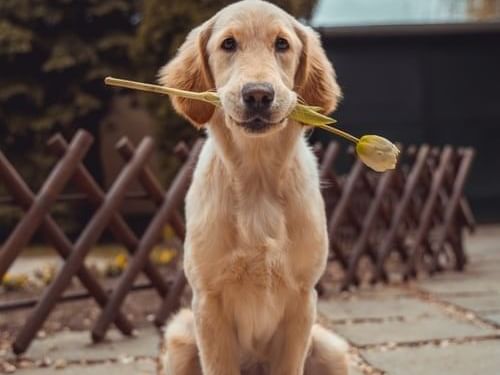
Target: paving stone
{"points": [[138, 367], [485, 270], [411, 330], [480, 358], [73, 346], [353, 370], [382, 290], [476, 303], [488, 266], [460, 285], [484, 243], [493, 317], [380, 307]]}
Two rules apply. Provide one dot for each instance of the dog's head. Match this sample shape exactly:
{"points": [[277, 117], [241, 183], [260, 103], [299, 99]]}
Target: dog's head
{"points": [[258, 58]]}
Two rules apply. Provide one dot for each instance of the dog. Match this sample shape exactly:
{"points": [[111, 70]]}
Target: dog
{"points": [[256, 241]]}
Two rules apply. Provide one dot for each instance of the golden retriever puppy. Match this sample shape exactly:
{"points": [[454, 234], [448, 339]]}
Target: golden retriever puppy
{"points": [[256, 240]]}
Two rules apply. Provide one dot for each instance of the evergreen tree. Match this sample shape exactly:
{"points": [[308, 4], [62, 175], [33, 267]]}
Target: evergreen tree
{"points": [[53, 57]]}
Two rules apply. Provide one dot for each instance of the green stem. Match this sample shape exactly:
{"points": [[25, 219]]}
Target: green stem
{"points": [[339, 132], [156, 89], [203, 96]]}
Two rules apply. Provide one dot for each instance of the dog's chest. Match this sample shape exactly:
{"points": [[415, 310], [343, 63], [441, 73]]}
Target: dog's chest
{"points": [[255, 295]]}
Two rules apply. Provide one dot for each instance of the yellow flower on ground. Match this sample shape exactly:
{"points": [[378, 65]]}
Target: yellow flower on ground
{"points": [[163, 256], [45, 274], [378, 153], [116, 266], [121, 261], [15, 281]]}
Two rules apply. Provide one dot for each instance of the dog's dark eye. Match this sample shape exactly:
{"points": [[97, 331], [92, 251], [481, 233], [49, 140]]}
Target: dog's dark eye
{"points": [[229, 44], [281, 44]]}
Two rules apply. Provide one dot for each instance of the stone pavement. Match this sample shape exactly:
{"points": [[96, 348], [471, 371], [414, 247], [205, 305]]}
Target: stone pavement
{"points": [[448, 324], [72, 353]]}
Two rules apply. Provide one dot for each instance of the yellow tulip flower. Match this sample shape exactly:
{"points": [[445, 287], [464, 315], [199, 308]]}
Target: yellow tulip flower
{"points": [[376, 152]]}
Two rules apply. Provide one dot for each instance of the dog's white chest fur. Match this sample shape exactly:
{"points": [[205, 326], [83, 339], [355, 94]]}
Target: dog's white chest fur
{"points": [[255, 301]]}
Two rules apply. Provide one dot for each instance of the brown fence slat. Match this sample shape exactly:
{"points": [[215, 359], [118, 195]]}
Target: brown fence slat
{"points": [[342, 211], [79, 295], [450, 215], [172, 302], [76, 197], [328, 161]]}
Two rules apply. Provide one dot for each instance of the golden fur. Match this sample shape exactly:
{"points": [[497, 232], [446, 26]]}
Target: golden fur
{"points": [[256, 239]]}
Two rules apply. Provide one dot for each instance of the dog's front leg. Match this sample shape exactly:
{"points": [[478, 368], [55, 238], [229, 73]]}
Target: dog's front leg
{"points": [[290, 348], [217, 342]]}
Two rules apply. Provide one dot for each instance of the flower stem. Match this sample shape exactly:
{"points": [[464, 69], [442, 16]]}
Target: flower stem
{"points": [[209, 97], [339, 132], [155, 89]]}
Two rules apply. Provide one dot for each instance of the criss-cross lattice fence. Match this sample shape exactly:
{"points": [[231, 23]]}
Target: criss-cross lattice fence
{"points": [[70, 169], [417, 212]]}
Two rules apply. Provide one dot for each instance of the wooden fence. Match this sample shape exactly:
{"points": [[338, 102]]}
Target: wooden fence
{"points": [[417, 211]]}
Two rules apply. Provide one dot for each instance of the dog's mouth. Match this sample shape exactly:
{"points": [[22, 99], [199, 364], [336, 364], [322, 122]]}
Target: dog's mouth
{"points": [[258, 124]]}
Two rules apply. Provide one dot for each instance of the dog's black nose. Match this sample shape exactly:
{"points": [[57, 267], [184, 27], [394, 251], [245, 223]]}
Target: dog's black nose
{"points": [[257, 96]]}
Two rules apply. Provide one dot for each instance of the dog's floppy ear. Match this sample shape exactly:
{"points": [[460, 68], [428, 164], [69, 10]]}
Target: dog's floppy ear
{"points": [[189, 70], [315, 80]]}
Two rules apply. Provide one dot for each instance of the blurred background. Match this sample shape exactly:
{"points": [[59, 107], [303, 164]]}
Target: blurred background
{"points": [[414, 71]]}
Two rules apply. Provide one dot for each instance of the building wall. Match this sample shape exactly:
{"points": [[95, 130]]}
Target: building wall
{"points": [[436, 87]]}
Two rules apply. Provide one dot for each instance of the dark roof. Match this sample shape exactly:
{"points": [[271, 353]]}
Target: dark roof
{"points": [[411, 29]]}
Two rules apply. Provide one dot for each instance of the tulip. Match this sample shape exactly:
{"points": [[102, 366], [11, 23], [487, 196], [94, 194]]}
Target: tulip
{"points": [[376, 152]]}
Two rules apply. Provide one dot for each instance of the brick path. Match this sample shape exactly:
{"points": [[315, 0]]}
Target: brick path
{"points": [[449, 324]]}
